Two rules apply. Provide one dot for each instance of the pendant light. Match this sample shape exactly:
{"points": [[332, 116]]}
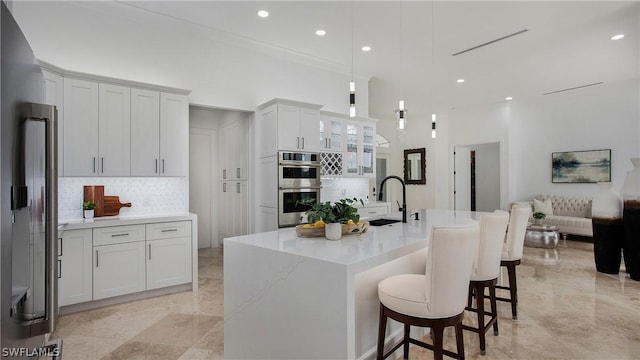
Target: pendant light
{"points": [[352, 83], [401, 111]]}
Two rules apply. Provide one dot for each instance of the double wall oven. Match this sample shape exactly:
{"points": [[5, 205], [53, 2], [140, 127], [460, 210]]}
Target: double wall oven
{"points": [[298, 179]]}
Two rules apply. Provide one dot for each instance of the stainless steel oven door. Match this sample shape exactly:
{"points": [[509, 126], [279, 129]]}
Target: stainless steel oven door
{"points": [[290, 210], [298, 176]]}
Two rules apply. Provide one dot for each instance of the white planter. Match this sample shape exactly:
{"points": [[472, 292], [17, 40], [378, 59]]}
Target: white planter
{"points": [[88, 214], [607, 203], [333, 231]]}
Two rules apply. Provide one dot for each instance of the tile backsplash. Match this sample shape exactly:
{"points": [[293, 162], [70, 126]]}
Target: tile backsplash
{"points": [[337, 188], [148, 196]]}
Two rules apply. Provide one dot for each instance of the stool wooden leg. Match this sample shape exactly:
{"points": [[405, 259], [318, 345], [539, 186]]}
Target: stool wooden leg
{"points": [[438, 332], [407, 331], [479, 290], [459, 341], [382, 328], [494, 307], [513, 289]]}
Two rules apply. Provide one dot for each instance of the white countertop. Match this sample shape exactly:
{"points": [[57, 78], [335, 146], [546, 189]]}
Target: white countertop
{"points": [[378, 245], [105, 221]]}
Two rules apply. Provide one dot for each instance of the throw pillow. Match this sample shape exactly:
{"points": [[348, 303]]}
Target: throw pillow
{"points": [[543, 206]]}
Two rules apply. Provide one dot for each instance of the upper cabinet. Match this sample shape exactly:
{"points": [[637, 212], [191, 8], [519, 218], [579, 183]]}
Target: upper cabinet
{"points": [[54, 95], [331, 132], [112, 128], [360, 148], [80, 145], [159, 134], [174, 135], [234, 141], [287, 125]]}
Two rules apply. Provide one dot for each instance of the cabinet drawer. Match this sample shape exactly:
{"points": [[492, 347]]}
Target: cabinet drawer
{"points": [[118, 234], [168, 230], [372, 211]]}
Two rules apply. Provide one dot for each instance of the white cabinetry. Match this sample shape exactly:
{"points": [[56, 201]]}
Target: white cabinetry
{"points": [[145, 133], [360, 149], [233, 149], [119, 261], [373, 209], [168, 254], [80, 145], [54, 95], [331, 132], [287, 125], [234, 209], [74, 267], [174, 135], [114, 130]]}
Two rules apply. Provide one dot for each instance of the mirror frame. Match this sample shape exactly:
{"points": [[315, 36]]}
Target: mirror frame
{"points": [[423, 166]]}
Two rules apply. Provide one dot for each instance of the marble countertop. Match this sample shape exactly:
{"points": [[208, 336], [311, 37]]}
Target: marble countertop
{"points": [[376, 246], [105, 221]]}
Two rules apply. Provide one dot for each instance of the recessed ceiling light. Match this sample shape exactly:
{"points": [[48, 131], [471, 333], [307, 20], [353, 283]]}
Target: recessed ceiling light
{"points": [[460, 81], [263, 13], [617, 37], [508, 98], [321, 32], [366, 48]]}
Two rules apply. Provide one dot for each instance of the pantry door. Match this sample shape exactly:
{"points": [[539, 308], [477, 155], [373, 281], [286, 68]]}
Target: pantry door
{"points": [[202, 195]]}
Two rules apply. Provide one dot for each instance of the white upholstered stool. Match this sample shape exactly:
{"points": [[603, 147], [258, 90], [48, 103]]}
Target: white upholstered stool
{"points": [[485, 271], [512, 253], [436, 299]]}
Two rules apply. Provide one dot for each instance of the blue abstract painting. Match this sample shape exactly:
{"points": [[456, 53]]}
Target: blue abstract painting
{"points": [[591, 166]]}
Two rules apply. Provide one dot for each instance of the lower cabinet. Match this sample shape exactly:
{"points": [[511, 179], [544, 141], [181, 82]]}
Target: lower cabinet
{"points": [[118, 269], [110, 261], [75, 283]]}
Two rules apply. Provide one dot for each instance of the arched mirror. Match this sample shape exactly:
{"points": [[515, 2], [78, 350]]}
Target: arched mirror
{"points": [[415, 167]]}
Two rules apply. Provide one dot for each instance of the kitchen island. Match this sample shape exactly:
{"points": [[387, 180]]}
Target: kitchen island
{"points": [[301, 298]]}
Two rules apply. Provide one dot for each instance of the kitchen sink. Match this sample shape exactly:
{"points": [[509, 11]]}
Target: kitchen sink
{"points": [[383, 222]]}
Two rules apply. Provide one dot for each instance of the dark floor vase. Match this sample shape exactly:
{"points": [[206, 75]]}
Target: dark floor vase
{"points": [[608, 235], [631, 246]]}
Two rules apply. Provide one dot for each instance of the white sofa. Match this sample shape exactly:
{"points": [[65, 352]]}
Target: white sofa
{"points": [[572, 215]]}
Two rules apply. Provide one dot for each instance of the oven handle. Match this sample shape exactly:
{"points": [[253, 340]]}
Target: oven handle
{"points": [[299, 164], [299, 188]]}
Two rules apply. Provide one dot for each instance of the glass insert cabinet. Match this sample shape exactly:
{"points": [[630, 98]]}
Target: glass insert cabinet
{"points": [[360, 148]]}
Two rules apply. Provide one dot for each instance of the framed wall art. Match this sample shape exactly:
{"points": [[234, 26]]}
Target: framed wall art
{"points": [[590, 166]]}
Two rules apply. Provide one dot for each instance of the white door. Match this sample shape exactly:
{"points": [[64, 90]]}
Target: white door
{"points": [[168, 262], [118, 269], [310, 129], [74, 267], [202, 190], [115, 130], [288, 127], [81, 128], [462, 178]]}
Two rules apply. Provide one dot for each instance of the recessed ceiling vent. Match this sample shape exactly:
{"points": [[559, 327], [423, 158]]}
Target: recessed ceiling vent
{"points": [[491, 42], [574, 88]]}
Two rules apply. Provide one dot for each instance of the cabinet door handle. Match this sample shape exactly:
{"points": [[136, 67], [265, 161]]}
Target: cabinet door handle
{"points": [[329, 147], [116, 235], [97, 255], [303, 142], [156, 166], [102, 165], [59, 268], [298, 142], [163, 166], [224, 174], [237, 173], [94, 164], [149, 251], [238, 188], [224, 187], [169, 230], [59, 246]]}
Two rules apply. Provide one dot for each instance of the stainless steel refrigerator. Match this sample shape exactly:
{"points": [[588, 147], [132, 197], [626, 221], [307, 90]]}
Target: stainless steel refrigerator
{"points": [[28, 207]]}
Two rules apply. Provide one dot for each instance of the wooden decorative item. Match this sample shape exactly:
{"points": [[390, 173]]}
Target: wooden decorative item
{"points": [[95, 193], [301, 231], [112, 205]]}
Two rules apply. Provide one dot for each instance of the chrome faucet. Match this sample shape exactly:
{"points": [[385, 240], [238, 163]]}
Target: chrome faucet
{"points": [[404, 195]]}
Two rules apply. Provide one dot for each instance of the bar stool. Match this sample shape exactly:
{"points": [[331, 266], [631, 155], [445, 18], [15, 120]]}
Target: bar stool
{"points": [[512, 253], [435, 299], [485, 271]]}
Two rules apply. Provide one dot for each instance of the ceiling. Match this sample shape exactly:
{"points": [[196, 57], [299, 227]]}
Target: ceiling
{"points": [[566, 45]]}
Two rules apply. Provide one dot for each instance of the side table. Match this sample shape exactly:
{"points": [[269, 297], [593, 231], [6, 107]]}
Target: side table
{"points": [[541, 236]]}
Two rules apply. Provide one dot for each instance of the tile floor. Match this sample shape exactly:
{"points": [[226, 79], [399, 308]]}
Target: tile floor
{"points": [[567, 311]]}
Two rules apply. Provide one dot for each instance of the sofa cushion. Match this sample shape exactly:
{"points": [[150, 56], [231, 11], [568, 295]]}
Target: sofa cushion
{"points": [[544, 207]]}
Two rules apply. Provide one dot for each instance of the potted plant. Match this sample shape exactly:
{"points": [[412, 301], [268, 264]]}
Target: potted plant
{"points": [[333, 215], [538, 217], [88, 209]]}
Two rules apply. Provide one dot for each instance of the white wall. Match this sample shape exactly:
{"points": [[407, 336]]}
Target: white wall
{"points": [[101, 38]]}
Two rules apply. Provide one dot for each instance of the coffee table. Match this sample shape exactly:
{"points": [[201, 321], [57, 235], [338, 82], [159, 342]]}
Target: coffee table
{"points": [[541, 236]]}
